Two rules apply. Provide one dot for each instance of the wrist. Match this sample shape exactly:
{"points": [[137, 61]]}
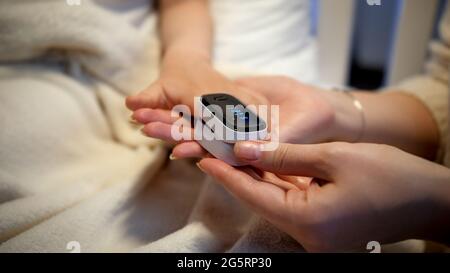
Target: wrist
{"points": [[349, 122], [177, 53]]}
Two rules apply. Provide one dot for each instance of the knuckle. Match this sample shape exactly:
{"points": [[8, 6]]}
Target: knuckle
{"points": [[319, 157], [279, 159]]}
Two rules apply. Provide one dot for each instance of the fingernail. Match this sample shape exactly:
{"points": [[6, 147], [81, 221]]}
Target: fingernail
{"points": [[133, 121], [172, 157], [248, 150], [200, 167]]}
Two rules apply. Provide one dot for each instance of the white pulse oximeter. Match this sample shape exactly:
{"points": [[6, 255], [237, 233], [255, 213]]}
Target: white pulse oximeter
{"points": [[230, 121]]}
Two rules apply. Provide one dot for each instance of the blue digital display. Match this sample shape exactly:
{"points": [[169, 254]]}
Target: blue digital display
{"points": [[233, 113], [240, 114]]}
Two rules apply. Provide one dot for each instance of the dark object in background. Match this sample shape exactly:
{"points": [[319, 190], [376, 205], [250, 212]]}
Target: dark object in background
{"points": [[372, 41], [374, 29]]}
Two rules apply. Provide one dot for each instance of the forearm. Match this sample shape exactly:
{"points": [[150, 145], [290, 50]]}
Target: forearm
{"points": [[400, 120], [186, 26]]}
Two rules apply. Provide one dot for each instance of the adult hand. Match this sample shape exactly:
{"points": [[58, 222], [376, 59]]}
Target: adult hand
{"points": [[360, 193], [308, 114]]}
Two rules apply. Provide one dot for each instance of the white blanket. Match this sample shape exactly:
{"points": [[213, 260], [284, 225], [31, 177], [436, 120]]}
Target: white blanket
{"points": [[74, 174]]}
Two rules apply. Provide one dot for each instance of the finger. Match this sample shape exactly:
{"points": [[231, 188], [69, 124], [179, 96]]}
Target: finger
{"points": [[152, 97], [190, 149], [163, 131], [265, 198], [158, 130], [147, 115], [269, 178], [287, 159], [278, 181]]}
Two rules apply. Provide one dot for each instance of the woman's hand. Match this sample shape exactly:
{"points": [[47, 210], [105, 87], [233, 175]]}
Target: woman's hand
{"points": [[360, 193], [308, 114], [312, 115]]}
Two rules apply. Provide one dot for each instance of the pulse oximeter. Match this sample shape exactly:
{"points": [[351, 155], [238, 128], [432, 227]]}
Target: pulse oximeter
{"points": [[228, 120]]}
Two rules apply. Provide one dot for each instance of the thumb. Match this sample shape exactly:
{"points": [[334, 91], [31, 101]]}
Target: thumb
{"points": [[288, 159]]}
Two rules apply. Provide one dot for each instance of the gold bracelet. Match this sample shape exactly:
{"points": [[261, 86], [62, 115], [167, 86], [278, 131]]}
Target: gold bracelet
{"points": [[360, 109]]}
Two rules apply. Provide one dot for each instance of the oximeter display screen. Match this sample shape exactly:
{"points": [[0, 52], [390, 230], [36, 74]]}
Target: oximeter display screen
{"points": [[233, 113]]}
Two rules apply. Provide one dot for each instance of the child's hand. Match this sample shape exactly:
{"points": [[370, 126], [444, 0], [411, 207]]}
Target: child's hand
{"points": [[361, 193], [184, 75]]}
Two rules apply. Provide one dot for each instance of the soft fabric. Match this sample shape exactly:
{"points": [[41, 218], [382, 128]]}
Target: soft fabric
{"points": [[73, 170], [267, 37]]}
